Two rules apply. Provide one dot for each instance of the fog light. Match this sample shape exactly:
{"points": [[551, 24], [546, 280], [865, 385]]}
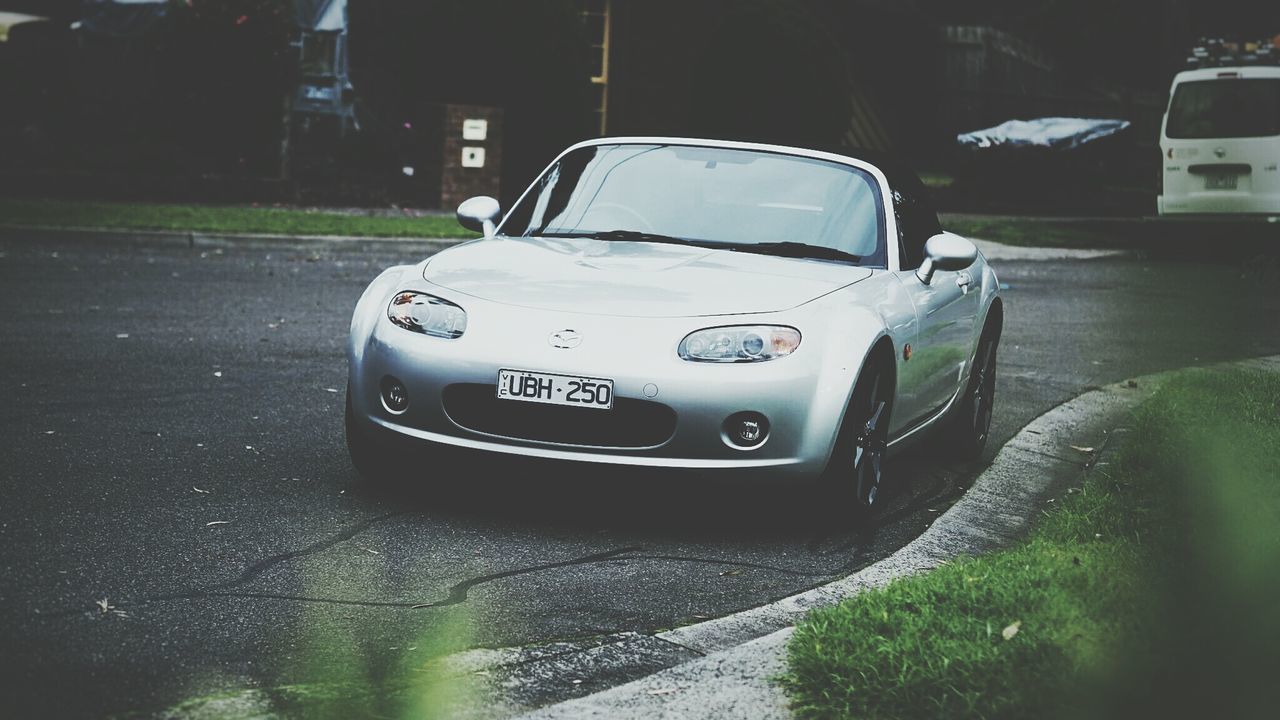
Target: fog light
{"points": [[394, 395], [746, 429]]}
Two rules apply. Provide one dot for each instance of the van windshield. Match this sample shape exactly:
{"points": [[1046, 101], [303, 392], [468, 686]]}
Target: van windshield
{"points": [[1225, 109]]}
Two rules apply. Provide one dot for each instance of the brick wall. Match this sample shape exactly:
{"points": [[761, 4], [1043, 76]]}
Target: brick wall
{"points": [[472, 165]]}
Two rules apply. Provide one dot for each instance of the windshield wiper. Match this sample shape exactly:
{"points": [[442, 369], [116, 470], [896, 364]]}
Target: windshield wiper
{"points": [[777, 249], [796, 250], [627, 235]]}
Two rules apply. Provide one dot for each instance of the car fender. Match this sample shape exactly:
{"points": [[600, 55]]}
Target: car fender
{"points": [[369, 311], [990, 293], [853, 332]]}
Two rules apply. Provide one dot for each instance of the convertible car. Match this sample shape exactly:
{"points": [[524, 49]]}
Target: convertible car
{"points": [[694, 304]]}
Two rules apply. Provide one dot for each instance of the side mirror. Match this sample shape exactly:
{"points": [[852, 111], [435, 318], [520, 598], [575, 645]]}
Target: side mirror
{"points": [[480, 214], [946, 252]]}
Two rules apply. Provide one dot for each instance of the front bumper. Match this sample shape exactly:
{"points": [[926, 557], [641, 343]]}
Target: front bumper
{"points": [[803, 395]]}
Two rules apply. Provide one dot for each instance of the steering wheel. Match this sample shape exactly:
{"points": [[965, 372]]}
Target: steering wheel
{"points": [[607, 207]]}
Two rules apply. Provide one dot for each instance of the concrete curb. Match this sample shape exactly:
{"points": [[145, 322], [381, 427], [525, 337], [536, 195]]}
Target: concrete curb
{"points": [[208, 240], [744, 651], [998, 252], [741, 653], [732, 657]]}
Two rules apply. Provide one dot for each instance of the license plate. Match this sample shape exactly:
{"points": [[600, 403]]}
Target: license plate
{"points": [[551, 389], [1220, 181]]}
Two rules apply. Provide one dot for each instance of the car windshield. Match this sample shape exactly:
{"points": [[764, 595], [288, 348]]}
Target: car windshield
{"points": [[749, 201], [1227, 108]]}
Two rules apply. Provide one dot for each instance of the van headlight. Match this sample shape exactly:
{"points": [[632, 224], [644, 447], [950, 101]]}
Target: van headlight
{"points": [[427, 314], [740, 343]]}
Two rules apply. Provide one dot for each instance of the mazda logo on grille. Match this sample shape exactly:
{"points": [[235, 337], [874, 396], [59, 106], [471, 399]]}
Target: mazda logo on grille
{"points": [[1220, 152], [566, 339]]}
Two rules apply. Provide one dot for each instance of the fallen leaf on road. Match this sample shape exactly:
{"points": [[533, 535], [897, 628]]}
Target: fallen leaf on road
{"points": [[103, 605], [332, 390], [731, 573], [48, 432], [664, 691], [202, 492], [1010, 631], [1082, 449], [217, 522], [122, 336], [218, 374]]}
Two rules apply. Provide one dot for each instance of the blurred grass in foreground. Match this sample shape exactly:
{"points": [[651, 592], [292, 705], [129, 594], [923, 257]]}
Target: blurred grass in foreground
{"points": [[339, 660], [1150, 592], [227, 219]]}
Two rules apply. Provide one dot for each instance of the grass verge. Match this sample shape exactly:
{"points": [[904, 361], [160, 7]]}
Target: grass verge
{"points": [[1031, 232], [225, 219], [1148, 592]]}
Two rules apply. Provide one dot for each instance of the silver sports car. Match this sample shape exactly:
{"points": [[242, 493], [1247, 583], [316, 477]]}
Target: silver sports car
{"points": [[696, 304]]}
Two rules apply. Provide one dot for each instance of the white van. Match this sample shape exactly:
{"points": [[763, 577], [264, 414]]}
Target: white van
{"points": [[1221, 142]]}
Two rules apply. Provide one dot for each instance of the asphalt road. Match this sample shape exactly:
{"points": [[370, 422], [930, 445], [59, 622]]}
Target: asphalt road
{"points": [[179, 517]]}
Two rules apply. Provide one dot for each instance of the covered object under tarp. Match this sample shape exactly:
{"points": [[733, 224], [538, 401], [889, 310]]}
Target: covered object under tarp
{"points": [[1057, 162], [1058, 133]]}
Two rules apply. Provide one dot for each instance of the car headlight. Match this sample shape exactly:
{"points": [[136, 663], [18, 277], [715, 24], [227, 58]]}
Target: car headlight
{"points": [[428, 315], [742, 343]]}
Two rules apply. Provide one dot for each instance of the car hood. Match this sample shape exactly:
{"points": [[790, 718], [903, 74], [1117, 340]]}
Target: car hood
{"points": [[633, 279]]}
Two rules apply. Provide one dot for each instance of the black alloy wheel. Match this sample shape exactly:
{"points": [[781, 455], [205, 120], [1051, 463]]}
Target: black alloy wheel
{"points": [[973, 421]]}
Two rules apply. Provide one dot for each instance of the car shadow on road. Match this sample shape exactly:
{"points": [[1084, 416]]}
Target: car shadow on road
{"points": [[565, 497]]}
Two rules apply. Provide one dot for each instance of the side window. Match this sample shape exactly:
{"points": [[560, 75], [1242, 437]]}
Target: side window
{"points": [[917, 220]]}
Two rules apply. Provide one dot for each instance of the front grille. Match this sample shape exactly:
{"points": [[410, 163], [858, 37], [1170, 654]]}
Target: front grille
{"points": [[629, 424]]}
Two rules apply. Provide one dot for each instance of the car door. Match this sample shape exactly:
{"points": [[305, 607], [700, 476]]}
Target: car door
{"points": [[946, 310]]}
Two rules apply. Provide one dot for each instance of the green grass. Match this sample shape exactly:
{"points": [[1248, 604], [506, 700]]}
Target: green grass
{"points": [[1040, 233], [937, 179], [1149, 592], [226, 219]]}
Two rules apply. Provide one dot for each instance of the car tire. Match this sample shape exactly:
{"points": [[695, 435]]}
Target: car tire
{"points": [[971, 426], [855, 472]]}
